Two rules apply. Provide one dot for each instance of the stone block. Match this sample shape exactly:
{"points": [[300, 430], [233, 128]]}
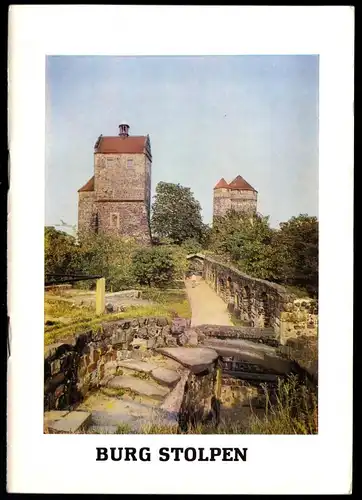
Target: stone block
{"points": [[66, 362], [139, 386], [110, 367], [142, 333], [164, 376], [118, 338], [162, 321], [72, 422], [55, 367], [92, 367], [151, 343], [52, 383]]}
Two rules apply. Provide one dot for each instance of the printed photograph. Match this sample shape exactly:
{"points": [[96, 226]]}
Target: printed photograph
{"points": [[181, 245]]}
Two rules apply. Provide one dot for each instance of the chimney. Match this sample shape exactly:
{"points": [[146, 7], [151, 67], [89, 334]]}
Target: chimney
{"points": [[123, 130]]}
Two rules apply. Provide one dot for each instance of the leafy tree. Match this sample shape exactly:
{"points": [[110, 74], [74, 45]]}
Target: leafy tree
{"points": [[60, 251], [288, 255], [110, 257], [153, 266], [176, 214], [103, 255], [245, 240], [296, 256]]}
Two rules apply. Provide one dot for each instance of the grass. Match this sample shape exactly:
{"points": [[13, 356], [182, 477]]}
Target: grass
{"points": [[295, 410], [65, 319], [59, 332], [173, 299]]}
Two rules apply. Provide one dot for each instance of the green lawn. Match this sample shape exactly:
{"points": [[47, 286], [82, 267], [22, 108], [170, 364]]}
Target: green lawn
{"points": [[63, 320]]}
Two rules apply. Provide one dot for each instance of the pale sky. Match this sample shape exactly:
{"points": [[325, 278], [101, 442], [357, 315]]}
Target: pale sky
{"points": [[208, 117]]}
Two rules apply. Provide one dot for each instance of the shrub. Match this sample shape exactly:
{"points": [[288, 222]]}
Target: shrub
{"points": [[153, 266]]}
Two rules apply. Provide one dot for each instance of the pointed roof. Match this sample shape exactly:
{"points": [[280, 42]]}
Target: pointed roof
{"points": [[89, 186], [221, 184], [240, 183]]}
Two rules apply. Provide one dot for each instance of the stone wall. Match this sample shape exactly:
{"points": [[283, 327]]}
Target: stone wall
{"points": [[120, 202], [115, 179], [86, 211], [71, 370], [124, 219], [200, 398], [222, 202], [233, 199], [258, 335], [261, 304]]}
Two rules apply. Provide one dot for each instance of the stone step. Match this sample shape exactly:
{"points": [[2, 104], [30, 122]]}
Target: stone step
{"points": [[196, 359], [71, 423], [160, 374], [166, 377], [139, 386], [137, 365], [130, 414]]}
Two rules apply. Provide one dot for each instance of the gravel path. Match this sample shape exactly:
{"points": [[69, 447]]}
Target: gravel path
{"points": [[207, 307]]}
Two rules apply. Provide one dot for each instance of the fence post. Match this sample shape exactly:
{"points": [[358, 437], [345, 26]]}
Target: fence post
{"points": [[100, 295]]}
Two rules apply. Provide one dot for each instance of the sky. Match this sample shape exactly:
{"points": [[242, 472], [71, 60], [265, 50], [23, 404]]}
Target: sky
{"points": [[207, 117]]}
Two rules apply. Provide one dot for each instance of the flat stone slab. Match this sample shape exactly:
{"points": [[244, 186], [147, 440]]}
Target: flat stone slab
{"points": [[139, 386], [165, 376], [137, 365], [242, 344], [52, 416], [74, 421], [244, 350], [242, 354], [130, 414], [197, 359]]}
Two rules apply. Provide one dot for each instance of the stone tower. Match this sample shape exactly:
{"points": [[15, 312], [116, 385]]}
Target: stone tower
{"points": [[117, 199], [238, 196]]}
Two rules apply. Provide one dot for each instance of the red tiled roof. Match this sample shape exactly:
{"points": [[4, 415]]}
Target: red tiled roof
{"points": [[240, 183], [89, 186], [221, 184], [131, 144]]}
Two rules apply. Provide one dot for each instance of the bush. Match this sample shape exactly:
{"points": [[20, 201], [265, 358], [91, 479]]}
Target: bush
{"points": [[153, 266], [107, 256]]}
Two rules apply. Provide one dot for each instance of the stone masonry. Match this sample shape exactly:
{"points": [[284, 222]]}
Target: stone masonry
{"points": [[260, 303], [238, 195], [116, 200]]}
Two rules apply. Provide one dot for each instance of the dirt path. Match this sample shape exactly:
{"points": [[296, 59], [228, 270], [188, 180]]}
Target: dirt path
{"points": [[207, 307]]}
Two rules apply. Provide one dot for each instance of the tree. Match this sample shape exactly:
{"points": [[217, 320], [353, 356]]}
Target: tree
{"points": [[245, 240], [109, 256], [60, 251], [296, 254], [103, 255], [153, 266], [176, 214]]}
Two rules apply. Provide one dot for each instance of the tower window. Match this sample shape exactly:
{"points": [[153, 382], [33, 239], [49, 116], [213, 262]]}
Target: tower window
{"points": [[129, 162], [114, 220]]}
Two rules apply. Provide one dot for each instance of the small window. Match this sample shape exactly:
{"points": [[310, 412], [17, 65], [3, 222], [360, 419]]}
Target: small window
{"points": [[130, 162], [114, 222]]}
